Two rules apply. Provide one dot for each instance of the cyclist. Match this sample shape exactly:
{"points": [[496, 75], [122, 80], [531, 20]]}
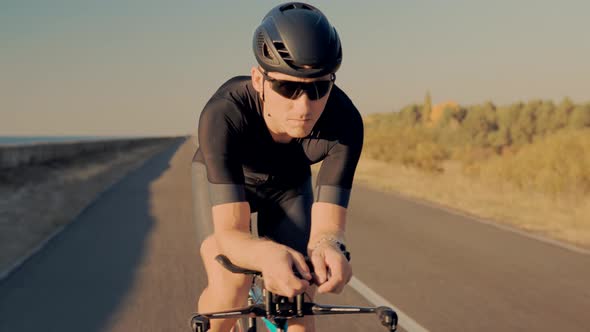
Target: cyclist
{"points": [[258, 136]]}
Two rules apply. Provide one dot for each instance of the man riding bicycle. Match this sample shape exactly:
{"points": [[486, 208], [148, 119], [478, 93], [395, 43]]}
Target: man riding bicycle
{"points": [[258, 136]]}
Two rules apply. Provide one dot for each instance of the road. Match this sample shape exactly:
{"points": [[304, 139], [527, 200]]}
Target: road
{"points": [[130, 262]]}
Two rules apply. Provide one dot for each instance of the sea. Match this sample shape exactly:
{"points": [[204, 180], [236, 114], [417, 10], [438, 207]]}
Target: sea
{"points": [[22, 140]]}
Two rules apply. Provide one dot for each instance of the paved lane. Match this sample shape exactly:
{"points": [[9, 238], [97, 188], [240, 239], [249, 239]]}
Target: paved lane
{"points": [[451, 273], [130, 263]]}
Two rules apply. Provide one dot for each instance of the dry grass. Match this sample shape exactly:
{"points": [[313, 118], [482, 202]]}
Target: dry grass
{"points": [[563, 218]]}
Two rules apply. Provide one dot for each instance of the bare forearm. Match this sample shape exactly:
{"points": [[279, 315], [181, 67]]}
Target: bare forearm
{"points": [[232, 233], [327, 220], [243, 249]]}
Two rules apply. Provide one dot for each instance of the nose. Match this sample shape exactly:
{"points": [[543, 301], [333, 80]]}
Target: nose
{"points": [[302, 105]]}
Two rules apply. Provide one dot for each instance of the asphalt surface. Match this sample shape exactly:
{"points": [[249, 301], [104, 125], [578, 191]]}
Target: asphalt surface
{"points": [[130, 262]]}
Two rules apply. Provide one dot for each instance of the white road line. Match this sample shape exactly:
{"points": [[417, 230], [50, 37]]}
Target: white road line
{"points": [[405, 321]]}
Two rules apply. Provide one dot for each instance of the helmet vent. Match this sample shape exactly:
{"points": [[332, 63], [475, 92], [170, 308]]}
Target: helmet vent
{"points": [[283, 52], [294, 65], [260, 39], [262, 46], [265, 51], [295, 6]]}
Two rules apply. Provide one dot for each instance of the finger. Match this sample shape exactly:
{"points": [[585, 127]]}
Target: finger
{"points": [[271, 286], [348, 272], [347, 275], [281, 286], [304, 285], [301, 265], [319, 267], [327, 286], [337, 278], [331, 285], [336, 263], [336, 288], [295, 286], [346, 269]]}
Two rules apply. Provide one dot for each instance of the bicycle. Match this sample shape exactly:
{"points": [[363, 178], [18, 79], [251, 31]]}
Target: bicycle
{"points": [[276, 310]]}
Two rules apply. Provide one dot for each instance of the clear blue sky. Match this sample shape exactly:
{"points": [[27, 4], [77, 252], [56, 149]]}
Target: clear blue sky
{"points": [[137, 67]]}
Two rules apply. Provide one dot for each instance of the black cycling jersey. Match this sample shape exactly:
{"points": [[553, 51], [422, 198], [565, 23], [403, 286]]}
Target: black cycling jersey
{"points": [[237, 148]]}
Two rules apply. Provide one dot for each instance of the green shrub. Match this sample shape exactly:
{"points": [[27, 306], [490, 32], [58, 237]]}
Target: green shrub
{"points": [[556, 164], [536, 145]]}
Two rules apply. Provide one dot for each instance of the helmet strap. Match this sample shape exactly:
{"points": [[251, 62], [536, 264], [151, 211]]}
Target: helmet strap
{"points": [[263, 88], [267, 114]]}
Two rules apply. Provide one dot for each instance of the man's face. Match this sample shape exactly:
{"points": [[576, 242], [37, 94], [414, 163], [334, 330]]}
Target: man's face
{"points": [[289, 118]]}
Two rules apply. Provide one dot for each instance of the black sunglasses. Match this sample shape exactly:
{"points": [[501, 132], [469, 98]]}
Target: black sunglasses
{"points": [[293, 90]]}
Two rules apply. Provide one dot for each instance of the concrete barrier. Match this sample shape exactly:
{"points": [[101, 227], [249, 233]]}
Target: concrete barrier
{"points": [[12, 156]]}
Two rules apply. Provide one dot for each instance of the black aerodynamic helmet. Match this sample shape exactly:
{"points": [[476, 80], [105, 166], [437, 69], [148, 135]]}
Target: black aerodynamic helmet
{"points": [[296, 39]]}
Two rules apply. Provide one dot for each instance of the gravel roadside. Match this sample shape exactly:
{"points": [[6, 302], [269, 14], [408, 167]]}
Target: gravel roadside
{"points": [[36, 201]]}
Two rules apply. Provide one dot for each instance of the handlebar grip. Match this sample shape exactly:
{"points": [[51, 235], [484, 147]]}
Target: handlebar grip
{"points": [[225, 262]]}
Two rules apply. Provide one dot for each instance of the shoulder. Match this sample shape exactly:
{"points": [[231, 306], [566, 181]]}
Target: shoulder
{"points": [[236, 88], [341, 107], [341, 115], [232, 102]]}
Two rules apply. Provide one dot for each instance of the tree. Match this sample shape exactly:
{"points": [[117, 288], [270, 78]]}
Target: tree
{"points": [[580, 117], [560, 116], [460, 114], [477, 125], [446, 117], [544, 116], [427, 110], [410, 115]]}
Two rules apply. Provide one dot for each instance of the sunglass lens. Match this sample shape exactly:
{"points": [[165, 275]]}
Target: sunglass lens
{"points": [[321, 89], [287, 89], [293, 90]]}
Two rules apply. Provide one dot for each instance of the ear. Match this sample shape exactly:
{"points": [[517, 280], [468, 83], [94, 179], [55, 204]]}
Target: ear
{"points": [[257, 79]]}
